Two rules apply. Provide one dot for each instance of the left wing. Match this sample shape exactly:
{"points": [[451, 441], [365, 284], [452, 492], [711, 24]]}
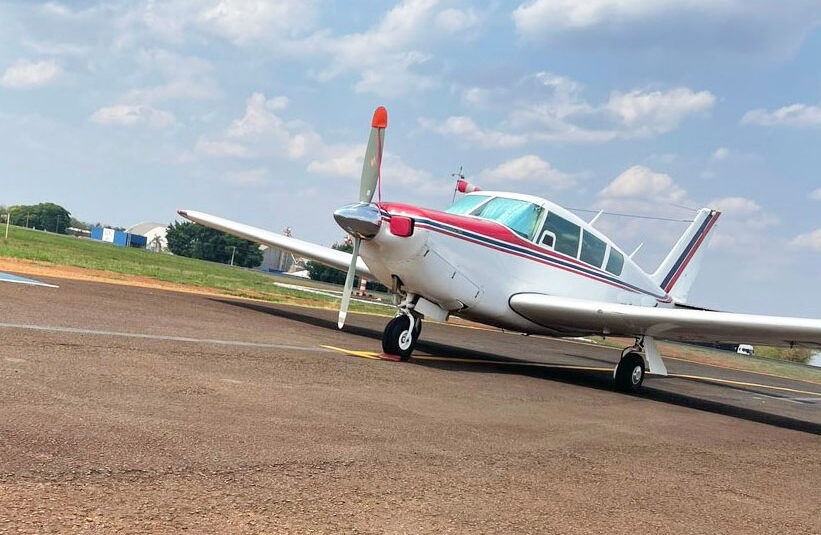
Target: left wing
{"points": [[575, 315], [319, 253]]}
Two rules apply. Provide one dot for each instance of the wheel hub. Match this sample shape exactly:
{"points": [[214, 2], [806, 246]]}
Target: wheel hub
{"points": [[635, 377]]}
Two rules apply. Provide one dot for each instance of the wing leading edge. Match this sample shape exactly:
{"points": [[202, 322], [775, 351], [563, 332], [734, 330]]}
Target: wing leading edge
{"points": [[319, 253], [667, 323]]}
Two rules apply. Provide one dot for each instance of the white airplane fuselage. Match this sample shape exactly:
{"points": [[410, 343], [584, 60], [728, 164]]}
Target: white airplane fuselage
{"points": [[471, 266]]}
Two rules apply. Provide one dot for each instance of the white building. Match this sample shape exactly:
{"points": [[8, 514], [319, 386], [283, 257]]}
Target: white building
{"points": [[155, 235]]}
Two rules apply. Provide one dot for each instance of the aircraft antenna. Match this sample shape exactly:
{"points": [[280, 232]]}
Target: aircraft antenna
{"points": [[619, 214], [458, 175]]}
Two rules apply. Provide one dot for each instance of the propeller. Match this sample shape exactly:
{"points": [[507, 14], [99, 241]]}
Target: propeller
{"points": [[356, 218]]}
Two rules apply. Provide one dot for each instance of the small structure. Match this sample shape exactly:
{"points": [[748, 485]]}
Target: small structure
{"points": [[117, 237], [276, 260], [156, 235]]}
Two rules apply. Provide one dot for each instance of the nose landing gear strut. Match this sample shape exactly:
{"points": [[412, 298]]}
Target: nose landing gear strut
{"points": [[402, 332]]}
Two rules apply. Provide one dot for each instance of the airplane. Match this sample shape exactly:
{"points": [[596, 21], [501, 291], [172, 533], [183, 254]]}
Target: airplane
{"points": [[522, 263]]}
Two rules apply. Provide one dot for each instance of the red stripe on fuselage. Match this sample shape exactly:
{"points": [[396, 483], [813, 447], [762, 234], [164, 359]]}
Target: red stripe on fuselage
{"points": [[490, 229], [500, 249]]}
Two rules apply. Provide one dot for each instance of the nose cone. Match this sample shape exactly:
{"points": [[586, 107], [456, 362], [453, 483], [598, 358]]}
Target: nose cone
{"points": [[359, 219]]}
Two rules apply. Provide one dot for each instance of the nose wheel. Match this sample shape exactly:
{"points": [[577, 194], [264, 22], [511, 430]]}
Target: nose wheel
{"points": [[400, 336]]}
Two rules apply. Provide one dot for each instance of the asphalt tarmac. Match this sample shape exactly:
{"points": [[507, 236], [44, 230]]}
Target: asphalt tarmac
{"points": [[144, 411]]}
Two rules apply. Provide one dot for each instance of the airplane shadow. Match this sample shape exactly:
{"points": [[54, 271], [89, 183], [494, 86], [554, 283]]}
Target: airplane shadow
{"points": [[598, 380]]}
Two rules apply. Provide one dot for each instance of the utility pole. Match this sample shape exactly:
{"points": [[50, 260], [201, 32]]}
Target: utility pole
{"points": [[8, 220], [57, 225], [27, 219], [233, 250]]}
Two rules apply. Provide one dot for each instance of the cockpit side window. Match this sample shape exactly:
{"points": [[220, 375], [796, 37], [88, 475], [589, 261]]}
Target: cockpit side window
{"points": [[593, 250], [519, 216], [466, 204], [561, 234], [615, 263]]}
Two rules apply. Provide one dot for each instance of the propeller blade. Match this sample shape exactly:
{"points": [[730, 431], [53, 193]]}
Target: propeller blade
{"points": [[373, 156], [346, 292]]}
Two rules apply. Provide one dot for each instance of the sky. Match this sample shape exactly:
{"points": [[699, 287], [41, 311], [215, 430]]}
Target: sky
{"points": [[259, 111]]}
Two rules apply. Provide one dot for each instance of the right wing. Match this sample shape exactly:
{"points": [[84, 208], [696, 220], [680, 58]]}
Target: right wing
{"points": [[319, 253], [565, 313]]}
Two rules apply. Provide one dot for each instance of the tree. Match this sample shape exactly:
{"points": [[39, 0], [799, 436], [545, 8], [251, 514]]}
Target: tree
{"points": [[197, 241], [321, 272], [44, 216]]}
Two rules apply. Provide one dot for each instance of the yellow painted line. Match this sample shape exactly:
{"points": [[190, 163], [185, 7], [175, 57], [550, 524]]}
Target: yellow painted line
{"points": [[353, 353], [434, 358], [511, 363], [808, 381], [742, 383]]}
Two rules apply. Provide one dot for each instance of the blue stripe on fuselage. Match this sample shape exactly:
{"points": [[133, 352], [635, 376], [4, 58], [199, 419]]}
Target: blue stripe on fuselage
{"points": [[534, 254]]}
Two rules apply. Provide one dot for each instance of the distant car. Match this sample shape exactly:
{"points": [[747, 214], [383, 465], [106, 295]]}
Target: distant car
{"points": [[745, 349]]}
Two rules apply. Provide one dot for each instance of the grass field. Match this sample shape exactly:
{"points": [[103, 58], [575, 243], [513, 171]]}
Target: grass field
{"points": [[59, 250]]}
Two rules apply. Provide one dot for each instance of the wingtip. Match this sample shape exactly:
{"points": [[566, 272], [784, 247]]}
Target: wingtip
{"points": [[183, 213]]}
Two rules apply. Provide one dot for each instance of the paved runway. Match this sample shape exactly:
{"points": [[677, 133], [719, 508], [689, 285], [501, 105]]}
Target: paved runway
{"points": [[149, 411]]}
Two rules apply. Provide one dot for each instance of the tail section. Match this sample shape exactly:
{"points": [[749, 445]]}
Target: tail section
{"points": [[677, 271]]}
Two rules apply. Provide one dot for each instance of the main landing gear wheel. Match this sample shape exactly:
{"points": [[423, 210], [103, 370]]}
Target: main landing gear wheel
{"points": [[629, 373], [398, 339]]}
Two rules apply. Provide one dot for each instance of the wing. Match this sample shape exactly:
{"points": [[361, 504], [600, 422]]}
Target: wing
{"points": [[319, 253], [575, 315]]}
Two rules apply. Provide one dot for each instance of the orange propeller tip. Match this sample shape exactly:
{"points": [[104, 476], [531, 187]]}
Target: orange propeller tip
{"points": [[380, 118]]}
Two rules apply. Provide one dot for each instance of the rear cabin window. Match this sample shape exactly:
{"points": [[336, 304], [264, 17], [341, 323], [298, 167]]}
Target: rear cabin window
{"points": [[592, 250], [466, 204], [519, 216], [615, 263], [561, 234]]}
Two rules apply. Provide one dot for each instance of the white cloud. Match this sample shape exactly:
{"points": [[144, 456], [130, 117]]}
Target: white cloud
{"points": [[346, 161], [721, 153], [456, 20], [340, 160], [795, 115], [242, 22], [187, 78], [260, 131], [466, 129], [128, 115], [475, 96], [735, 26], [396, 77], [743, 221], [24, 74], [251, 177], [657, 112], [816, 194], [221, 149], [550, 108], [810, 240], [640, 182], [528, 168]]}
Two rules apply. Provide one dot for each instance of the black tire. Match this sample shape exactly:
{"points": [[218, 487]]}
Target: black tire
{"points": [[630, 373], [392, 337]]}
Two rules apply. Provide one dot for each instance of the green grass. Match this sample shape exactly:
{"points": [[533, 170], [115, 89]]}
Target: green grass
{"points": [[58, 250]]}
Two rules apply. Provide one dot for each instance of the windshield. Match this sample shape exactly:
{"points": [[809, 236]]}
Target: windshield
{"points": [[519, 216], [466, 204]]}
